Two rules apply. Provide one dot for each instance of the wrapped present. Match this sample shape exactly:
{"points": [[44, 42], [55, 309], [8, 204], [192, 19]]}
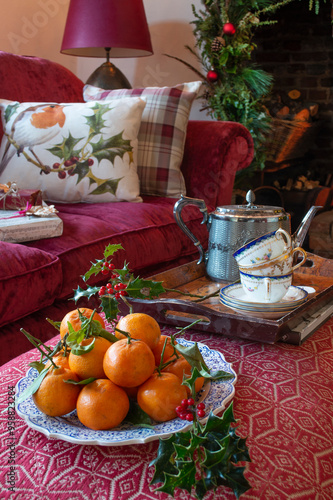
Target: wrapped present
{"points": [[13, 198], [29, 224]]}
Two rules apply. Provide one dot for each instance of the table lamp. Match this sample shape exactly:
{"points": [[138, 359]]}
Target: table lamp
{"points": [[116, 28]]}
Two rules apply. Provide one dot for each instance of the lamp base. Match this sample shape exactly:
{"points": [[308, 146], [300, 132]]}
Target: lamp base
{"points": [[108, 77]]}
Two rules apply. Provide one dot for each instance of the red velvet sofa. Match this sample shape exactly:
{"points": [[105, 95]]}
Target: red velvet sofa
{"points": [[37, 278]]}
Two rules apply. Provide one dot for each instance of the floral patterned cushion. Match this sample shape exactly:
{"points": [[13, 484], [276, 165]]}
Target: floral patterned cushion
{"points": [[73, 152], [162, 133]]}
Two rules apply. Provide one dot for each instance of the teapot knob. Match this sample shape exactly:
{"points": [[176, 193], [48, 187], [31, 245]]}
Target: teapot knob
{"points": [[250, 198]]}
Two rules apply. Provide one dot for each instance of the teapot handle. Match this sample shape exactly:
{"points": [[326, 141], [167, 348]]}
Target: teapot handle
{"points": [[177, 209]]}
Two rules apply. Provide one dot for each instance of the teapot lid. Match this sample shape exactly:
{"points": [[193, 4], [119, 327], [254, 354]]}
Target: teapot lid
{"points": [[250, 210]]}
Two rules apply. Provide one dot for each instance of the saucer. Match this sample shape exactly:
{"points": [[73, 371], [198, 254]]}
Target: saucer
{"points": [[234, 296]]}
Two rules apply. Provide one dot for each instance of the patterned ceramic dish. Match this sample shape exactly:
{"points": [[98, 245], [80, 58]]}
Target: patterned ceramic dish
{"points": [[279, 266], [263, 249], [234, 296], [216, 395], [264, 289]]}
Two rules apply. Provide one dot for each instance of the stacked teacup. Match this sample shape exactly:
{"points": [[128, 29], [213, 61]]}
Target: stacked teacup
{"points": [[266, 266]]}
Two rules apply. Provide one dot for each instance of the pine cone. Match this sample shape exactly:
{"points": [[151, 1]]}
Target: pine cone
{"points": [[216, 44]]}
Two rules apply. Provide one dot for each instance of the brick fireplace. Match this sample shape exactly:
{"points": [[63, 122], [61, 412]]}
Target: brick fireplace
{"points": [[298, 52]]}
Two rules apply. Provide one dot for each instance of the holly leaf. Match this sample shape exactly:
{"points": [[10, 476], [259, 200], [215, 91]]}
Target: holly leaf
{"points": [[144, 289], [95, 121], [65, 150], [202, 458], [111, 249], [109, 306], [97, 266], [110, 148], [184, 479], [81, 169], [109, 186], [163, 462], [81, 292]]}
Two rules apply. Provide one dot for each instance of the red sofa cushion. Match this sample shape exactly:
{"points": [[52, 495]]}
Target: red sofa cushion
{"points": [[29, 280]]}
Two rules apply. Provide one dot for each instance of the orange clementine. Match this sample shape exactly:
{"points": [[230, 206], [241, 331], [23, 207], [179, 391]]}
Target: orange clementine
{"points": [[102, 405], [181, 367], [131, 392], [128, 364], [73, 318], [140, 326], [168, 351], [60, 359], [160, 395], [90, 364], [55, 397]]}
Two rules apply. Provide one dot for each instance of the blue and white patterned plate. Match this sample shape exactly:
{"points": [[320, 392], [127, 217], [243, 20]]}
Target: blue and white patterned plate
{"points": [[216, 395]]}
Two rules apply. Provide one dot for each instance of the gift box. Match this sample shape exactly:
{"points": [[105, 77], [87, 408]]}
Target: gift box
{"points": [[18, 227], [13, 198]]}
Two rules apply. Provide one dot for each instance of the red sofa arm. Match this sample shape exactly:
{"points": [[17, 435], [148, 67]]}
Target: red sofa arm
{"points": [[214, 151]]}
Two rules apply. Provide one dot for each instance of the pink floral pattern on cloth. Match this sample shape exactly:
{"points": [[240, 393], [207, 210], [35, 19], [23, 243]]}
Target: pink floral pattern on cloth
{"points": [[284, 403]]}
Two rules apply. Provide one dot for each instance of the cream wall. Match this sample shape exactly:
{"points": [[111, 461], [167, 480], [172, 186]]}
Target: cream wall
{"points": [[35, 27]]}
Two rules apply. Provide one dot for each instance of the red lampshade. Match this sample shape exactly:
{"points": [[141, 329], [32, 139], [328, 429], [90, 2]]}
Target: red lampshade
{"points": [[93, 25]]}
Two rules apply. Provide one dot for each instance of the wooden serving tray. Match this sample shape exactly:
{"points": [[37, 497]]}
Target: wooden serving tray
{"points": [[175, 309]]}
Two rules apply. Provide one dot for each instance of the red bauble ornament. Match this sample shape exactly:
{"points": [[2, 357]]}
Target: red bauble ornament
{"points": [[229, 29], [212, 76]]}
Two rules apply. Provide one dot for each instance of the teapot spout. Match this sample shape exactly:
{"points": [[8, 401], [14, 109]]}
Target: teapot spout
{"points": [[300, 233]]}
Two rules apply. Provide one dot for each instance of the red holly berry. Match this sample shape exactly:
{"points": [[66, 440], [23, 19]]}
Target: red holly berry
{"points": [[201, 413], [68, 163], [105, 271], [117, 295], [122, 286], [184, 403], [111, 266], [123, 293], [201, 406], [61, 174], [189, 417], [229, 29], [90, 162], [109, 285], [190, 402], [212, 76]]}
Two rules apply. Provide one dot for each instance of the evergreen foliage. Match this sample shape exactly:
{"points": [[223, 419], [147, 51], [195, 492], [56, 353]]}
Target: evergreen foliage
{"points": [[234, 86]]}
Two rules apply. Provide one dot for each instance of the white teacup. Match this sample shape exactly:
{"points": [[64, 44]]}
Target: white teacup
{"points": [[281, 265], [265, 288], [264, 249]]}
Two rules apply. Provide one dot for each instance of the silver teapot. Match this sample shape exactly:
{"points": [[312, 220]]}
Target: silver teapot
{"points": [[232, 226]]}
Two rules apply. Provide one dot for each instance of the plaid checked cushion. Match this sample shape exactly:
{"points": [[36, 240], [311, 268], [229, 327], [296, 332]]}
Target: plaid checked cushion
{"points": [[161, 135]]}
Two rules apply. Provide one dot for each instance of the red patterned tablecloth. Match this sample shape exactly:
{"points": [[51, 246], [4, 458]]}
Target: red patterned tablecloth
{"points": [[284, 403]]}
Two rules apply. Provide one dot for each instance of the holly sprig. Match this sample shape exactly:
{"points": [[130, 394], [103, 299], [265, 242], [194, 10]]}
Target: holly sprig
{"points": [[203, 458], [207, 455], [120, 284]]}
